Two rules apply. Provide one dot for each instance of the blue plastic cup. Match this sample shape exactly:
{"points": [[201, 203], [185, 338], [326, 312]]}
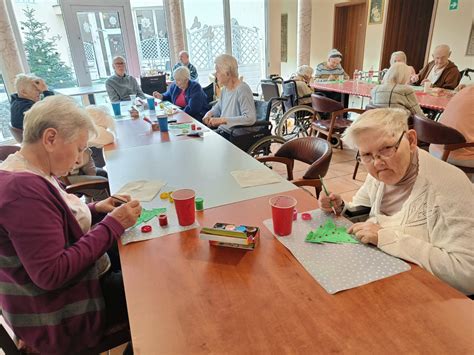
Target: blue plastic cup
{"points": [[116, 107], [151, 103], [163, 122]]}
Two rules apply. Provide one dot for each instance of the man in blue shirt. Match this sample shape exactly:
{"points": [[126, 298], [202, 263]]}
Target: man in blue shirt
{"points": [[184, 61]]}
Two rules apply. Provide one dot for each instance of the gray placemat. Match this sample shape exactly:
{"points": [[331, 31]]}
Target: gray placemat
{"points": [[337, 267]]}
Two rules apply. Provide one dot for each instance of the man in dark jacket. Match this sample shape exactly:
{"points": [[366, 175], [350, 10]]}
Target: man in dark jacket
{"points": [[441, 72], [29, 89]]}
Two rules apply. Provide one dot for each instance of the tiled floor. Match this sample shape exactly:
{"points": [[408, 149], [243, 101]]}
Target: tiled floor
{"points": [[338, 180]]}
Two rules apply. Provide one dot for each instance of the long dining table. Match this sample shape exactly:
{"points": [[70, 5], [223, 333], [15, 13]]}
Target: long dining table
{"points": [[187, 297], [435, 100]]}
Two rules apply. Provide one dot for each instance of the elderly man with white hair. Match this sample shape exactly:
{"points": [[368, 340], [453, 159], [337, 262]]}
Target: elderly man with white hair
{"points": [[121, 85], [184, 62], [29, 89], [186, 93], [236, 105], [395, 91], [420, 207], [441, 72], [302, 78]]}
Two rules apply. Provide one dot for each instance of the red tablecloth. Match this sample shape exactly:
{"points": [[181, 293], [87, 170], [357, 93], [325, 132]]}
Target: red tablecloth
{"points": [[350, 87]]}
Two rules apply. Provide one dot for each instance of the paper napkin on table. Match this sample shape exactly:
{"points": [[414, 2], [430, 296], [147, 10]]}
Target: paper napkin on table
{"points": [[142, 190], [255, 177]]}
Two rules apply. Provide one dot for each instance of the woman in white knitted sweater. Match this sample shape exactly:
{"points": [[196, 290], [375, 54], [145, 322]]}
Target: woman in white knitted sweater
{"points": [[421, 207]]}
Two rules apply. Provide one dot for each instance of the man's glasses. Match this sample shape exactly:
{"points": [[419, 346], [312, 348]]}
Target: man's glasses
{"points": [[384, 153], [119, 63]]}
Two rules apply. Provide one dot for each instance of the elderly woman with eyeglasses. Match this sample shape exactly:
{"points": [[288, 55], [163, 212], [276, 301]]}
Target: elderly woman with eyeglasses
{"points": [[420, 207]]}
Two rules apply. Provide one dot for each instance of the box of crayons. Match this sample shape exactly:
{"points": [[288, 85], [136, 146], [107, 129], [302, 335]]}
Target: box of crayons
{"points": [[231, 235]]}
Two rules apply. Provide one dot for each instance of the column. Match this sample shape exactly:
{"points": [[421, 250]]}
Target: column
{"points": [[175, 18], [10, 61], [303, 51]]}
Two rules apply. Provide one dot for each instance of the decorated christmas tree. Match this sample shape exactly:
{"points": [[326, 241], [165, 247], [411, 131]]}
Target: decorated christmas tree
{"points": [[43, 57]]}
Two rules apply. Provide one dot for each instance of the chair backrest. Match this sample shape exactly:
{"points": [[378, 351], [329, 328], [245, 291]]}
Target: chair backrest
{"points": [[433, 132], [98, 156], [263, 110], [6, 342], [269, 89], [209, 91], [466, 72], [17, 133], [150, 84], [290, 91], [6, 150], [324, 104], [310, 150]]}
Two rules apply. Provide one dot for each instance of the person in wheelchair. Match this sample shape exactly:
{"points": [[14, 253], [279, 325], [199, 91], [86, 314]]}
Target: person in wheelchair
{"points": [[420, 206], [236, 105], [302, 78]]}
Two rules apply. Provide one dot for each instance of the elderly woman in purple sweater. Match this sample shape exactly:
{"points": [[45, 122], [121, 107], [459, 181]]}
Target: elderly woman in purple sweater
{"points": [[56, 290]]}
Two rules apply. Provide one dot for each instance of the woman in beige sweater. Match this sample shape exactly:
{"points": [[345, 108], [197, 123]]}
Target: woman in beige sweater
{"points": [[421, 207]]}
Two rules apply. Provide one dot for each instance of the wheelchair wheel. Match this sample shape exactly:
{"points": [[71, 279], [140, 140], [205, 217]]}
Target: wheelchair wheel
{"points": [[296, 122], [266, 146]]}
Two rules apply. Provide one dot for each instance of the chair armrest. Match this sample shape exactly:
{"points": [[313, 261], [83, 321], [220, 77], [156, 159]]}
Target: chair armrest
{"points": [[351, 109], [356, 213], [233, 129], [452, 147], [102, 184], [287, 161]]}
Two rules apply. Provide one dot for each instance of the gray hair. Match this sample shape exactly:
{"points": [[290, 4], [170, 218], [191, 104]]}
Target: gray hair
{"points": [[400, 54], [59, 112], [398, 73], [443, 47], [25, 82], [183, 52], [228, 64], [391, 121], [305, 71], [101, 117], [119, 57], [182, 73]]}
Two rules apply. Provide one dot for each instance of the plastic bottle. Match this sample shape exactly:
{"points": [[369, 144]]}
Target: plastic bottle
{"points": [[356, 75], [371, 74]]}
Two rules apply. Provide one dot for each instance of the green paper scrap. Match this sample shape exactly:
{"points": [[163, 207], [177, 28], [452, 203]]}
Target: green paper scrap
{"points": [[146, 215], [180, 126], [329, 233]]}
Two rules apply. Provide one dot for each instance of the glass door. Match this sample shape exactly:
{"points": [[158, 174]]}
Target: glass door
{"points": [[100, 32]]}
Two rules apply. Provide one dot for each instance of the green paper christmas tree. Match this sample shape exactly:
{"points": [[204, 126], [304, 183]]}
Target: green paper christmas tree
{"points": [[146, 215], [329, 233]]}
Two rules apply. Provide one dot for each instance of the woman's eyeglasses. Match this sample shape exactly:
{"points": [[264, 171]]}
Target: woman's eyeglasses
{"points": [[384, 153]]}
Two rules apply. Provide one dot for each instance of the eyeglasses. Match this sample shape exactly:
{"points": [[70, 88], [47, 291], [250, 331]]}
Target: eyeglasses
{"points": [[119, 63], [384, 153]]}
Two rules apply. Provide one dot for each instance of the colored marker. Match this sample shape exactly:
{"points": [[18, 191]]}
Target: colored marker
{"points": [[327, 194], [147, 120]]}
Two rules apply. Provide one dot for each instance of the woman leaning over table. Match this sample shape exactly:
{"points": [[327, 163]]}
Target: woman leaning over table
{"points": [[186, 93], [394, 91], [420, 207], [57, 292]]}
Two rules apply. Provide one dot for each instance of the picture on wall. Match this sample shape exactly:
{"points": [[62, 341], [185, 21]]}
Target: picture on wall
{"points": [[376, 12], [470, 43], [284, 38]]}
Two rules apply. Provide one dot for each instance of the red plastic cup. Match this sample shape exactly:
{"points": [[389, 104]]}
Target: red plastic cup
{"points": [[184, 204], [282, 214]]}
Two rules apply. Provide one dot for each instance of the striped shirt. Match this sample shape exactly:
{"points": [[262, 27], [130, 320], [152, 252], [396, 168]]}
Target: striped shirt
{"points": [[396, 96], [192, 70], [324, 72]]}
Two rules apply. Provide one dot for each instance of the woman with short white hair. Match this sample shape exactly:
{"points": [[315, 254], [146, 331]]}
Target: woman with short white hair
{"points": [[54, 260], [186, 93], [395, 91], [235, 105], [29, 89], [302, 78], [401, 57], [420, 207]]}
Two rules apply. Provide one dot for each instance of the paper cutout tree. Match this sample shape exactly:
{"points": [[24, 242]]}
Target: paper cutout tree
{"points": [[146, 215], [329, 233]]}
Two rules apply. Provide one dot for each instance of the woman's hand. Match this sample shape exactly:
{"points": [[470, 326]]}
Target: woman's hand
{"points": [[109, 204], [325, 202], [157, 95], [366, 232], [127, 214]]}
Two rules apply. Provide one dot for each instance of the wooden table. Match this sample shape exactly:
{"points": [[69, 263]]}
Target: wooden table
{"points": [[88, 91], [350, 87], [185, 297]]}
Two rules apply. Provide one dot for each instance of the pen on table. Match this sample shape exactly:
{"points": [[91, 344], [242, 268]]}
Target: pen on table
{"points": [[327, 194], [118, 199], [146, 119]]}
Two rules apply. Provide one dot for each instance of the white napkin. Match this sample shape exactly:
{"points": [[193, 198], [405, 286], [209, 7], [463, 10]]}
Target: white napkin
{"points": [[255, 177], [142, 190]]}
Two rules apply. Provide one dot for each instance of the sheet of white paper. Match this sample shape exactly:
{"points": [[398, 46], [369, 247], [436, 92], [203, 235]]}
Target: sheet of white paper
{"points": [[142, 190], [255, 177]]}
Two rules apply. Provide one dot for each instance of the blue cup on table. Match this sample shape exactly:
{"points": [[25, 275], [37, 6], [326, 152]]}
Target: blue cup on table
{"points": [[151, 103], [116, 108], [163, 122]]}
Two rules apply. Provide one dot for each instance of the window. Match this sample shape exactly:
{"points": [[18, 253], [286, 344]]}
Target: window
{"points": [[5, 134]]}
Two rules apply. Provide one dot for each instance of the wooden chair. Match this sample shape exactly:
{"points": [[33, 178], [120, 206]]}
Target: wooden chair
{"points": [[311, 150], [88, 187], [336, 125], [16, 133], [433, 132], [6, 150]]}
